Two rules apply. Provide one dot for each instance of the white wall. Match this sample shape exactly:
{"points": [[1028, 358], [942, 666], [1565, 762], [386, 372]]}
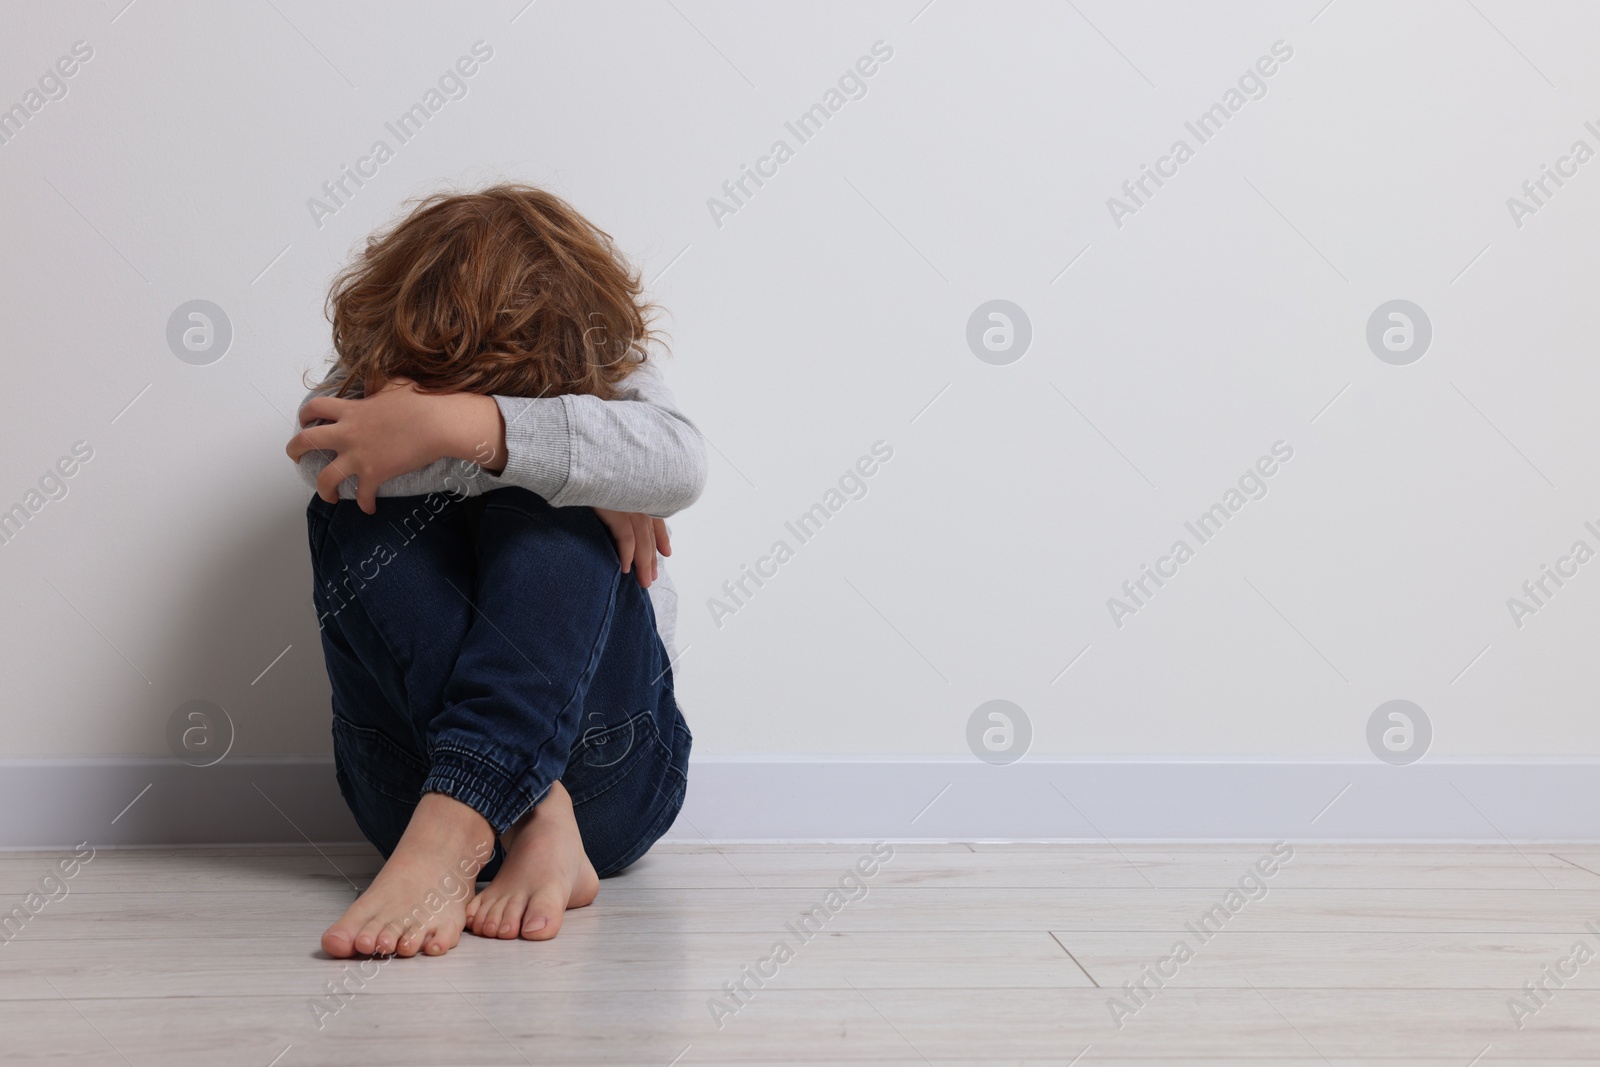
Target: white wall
{"points": [[1229, 313]]}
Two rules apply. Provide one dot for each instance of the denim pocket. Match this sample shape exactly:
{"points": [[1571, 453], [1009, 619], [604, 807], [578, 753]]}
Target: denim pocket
{"points": [[376, 763], [623, 808], [604, 756]]}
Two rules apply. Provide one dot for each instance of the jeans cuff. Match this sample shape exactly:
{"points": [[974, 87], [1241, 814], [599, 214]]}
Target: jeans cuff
{"points": [[481, 784]]}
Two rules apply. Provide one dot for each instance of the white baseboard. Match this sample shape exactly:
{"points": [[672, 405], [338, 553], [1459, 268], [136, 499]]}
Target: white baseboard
{"points": [[124, 801], [52, 803], [1489, 801]]}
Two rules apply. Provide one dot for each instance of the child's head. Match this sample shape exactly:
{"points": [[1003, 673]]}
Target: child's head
{"points": [[507, 290]]}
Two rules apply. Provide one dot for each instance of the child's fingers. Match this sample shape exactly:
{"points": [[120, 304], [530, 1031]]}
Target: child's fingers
{"points": [[624, 539], [644, 555], [663, 537], [323, 407], [367, 492], [312, 438], [328, 481]]}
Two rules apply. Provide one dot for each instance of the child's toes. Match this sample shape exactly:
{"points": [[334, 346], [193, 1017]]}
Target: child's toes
{"points": [[410, 943], [489, 917], [439, 942], [339, 941], [542, 919], [387, 939], [511, 918], [366, 941]]}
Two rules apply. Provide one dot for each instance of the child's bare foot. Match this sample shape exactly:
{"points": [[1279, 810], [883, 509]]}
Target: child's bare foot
{"points": [[545, 872], [418, 902]]}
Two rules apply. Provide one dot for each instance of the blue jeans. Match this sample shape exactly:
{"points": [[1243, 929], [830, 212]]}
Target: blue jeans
{"points": [[485, 648]]}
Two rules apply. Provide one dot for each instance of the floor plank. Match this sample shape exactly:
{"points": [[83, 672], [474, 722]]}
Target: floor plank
{"points": [[948, 954]]}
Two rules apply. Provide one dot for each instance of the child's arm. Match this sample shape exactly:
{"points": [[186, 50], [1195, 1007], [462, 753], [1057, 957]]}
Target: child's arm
{"points": [[398, 443], [637, 453]]}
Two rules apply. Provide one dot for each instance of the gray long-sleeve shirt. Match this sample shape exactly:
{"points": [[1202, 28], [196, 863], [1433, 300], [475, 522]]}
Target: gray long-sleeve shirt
{"points": [[635, 453]]}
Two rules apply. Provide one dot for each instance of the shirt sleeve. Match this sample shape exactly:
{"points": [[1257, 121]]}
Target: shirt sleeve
{"points": [[635, 453]]}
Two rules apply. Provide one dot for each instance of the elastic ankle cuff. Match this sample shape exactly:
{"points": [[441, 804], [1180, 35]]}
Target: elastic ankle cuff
{"points": [[480, 784]]}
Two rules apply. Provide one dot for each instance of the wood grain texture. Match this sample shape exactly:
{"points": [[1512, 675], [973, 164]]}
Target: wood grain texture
{"points": [[955, 954]]}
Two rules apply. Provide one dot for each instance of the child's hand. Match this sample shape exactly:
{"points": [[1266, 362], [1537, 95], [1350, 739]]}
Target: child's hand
{"points": [[639, 537], [395, 431]]}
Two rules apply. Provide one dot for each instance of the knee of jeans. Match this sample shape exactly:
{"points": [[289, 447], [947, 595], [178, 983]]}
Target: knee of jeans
{"points": [[403, 517], [357, 546], [522, 521], [344, 531]]}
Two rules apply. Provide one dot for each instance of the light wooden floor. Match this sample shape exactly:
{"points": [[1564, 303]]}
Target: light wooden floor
{"points": [[957, 954]]}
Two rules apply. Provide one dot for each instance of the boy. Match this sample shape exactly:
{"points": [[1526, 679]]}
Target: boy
{"points": [[502, 694]]}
